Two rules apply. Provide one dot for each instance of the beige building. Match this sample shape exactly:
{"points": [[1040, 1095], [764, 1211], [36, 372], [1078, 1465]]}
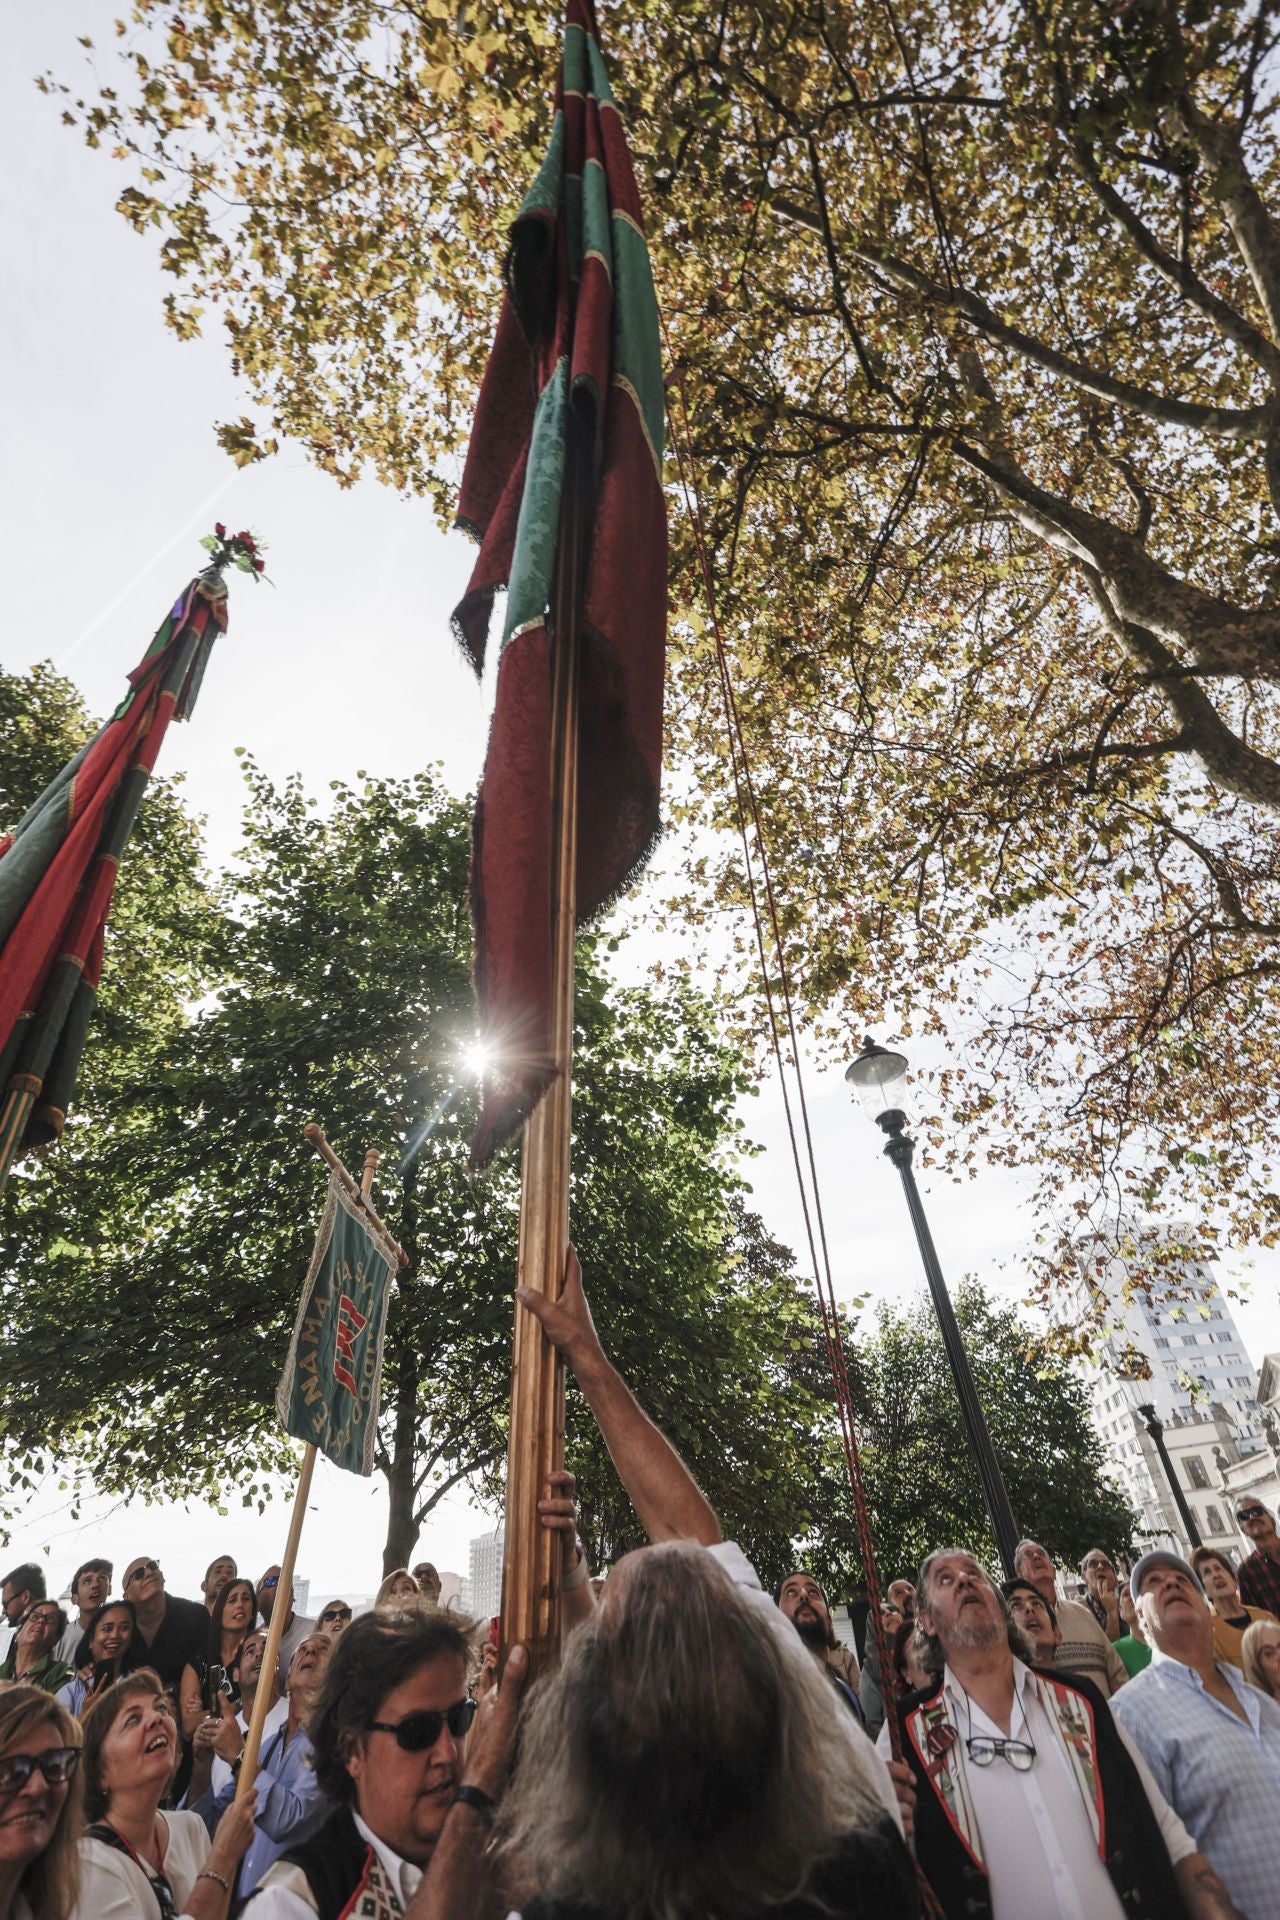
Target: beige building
{"points": [[1202, 1386]]}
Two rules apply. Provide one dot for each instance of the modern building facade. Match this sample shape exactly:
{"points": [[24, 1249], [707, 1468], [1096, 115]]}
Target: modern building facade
{"points": [[482, 1594], [1201, 1384]]}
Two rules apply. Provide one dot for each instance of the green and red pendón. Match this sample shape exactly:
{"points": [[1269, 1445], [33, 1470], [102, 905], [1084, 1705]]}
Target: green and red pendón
{"points": [[576, 365], [58, 867]]}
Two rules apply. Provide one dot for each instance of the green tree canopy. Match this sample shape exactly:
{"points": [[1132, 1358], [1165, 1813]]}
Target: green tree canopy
{"points": [[921, 1479], [152, 1266], [977, 313]]}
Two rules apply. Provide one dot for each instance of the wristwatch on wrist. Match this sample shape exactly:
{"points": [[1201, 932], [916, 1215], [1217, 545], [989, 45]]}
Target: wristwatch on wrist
{"points": [[469, 1796]]}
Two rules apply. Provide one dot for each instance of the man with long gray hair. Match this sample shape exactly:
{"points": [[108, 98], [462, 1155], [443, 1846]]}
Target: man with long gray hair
{"points": [[689, 1757], [1031, 1799]]}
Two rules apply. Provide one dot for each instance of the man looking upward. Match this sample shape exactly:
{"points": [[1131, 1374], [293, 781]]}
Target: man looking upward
{"points": [[89, 1588], [1211, 1740], [176, 1631], [1031, 1801], [804, 1603], [1084, 1647]]}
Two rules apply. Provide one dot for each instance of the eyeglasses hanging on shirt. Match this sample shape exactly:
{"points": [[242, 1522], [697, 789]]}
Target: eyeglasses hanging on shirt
{"points": [[983, 1748]]}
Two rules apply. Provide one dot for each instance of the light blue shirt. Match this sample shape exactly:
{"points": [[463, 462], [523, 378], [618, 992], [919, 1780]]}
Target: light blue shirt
{"points": [[1220, 1775], [290, 1805]]}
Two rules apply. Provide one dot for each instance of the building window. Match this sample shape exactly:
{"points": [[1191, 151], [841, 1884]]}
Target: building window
{"points": [[1196, 1475], [1216, 1523]]}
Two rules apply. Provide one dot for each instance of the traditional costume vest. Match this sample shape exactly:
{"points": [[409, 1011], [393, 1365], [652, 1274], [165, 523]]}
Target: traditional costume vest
{"points": [[1125, 1830], [337, 1872]]}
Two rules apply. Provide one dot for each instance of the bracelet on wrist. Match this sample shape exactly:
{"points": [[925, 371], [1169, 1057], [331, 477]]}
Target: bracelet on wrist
{"points": [[484, 1804], [211, 1873], [569, 1582]]}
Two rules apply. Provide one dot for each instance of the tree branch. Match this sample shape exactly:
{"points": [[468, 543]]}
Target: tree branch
{"points": [[1218, 634], [1245, 211], [470, 1466], [1247, 424], [1224, 756]]}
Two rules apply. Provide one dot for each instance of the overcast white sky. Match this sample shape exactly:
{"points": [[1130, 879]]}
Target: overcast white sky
{"points": [[112, 473]]}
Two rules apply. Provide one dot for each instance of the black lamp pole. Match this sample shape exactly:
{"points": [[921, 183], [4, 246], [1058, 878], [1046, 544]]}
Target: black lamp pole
{"points": [[1155, 1427], [900, 1148]]}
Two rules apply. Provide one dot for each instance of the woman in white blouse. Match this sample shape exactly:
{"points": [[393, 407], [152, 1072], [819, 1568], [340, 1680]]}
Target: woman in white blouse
{"points": [[137, 1863]]}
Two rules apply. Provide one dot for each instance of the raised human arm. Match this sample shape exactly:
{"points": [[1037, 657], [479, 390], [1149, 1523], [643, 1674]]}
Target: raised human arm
{"points": [[455, 1885], [665, 1495]]}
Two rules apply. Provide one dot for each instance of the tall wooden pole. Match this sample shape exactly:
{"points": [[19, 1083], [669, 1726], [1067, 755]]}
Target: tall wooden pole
{"points": [[531, 1553], [275, 1632]]}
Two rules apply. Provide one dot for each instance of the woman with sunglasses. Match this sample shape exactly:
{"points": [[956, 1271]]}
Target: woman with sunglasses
{"points": [[388, 1733], [110, 1647], [335, 1618], [39, 1806], [137, 1863], [235, 1614]]}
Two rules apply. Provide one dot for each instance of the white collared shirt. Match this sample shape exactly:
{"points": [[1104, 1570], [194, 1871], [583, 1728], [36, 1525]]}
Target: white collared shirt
{"points": [[402, 1876], [282, 1903], [1036, 1837]]}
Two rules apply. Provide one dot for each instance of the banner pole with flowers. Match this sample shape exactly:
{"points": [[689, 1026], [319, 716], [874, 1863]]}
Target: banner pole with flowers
{"points": [[329, 1391], [58, 867]]}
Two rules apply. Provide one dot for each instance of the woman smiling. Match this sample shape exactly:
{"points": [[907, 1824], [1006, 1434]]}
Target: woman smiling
{"points": [[136, 1862], [109, 1647], [39, 1806]]}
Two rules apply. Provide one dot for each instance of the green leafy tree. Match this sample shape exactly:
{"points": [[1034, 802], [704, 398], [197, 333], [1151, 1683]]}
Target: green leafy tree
{"points": [[977, 312], [922, 1484], [152, 1268], [161, 951]]}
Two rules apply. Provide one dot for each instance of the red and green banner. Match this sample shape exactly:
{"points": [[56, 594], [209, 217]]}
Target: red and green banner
{"points": [[329, 1390], [58, 867], [576, 357]]}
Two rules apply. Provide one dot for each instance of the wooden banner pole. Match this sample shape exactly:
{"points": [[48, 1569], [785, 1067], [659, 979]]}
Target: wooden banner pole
{"points": [[315, 1135], [275, 1632], [531, 1552]]}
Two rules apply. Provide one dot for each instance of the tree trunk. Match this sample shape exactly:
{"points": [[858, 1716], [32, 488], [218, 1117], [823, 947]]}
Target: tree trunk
{"points": [[402, 1526]]}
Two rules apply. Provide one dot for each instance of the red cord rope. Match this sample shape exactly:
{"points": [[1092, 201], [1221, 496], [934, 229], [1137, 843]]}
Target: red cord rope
{"points": [[814, 1223], [746, 804]]}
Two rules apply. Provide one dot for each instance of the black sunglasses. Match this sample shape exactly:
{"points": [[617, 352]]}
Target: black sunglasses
{"points": [[1250, 1513], [418, 1731], [57, 1765], [148, 1566], [336, 1613]]}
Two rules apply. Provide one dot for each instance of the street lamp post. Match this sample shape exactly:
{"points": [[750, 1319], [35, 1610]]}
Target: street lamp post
{"points": [[1155, 1427], [879, 1078]]}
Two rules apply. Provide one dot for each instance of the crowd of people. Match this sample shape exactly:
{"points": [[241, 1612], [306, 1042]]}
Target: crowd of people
{"points": [[701, 1748]]}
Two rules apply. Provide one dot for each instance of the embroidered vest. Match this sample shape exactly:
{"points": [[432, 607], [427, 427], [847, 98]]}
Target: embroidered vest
{"points": [[337, 1873], [1126, 1833]]}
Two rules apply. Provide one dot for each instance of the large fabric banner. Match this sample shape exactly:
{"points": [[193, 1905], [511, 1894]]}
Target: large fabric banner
{"points": [[576, 362], [58, 873], [328, 1392]]}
